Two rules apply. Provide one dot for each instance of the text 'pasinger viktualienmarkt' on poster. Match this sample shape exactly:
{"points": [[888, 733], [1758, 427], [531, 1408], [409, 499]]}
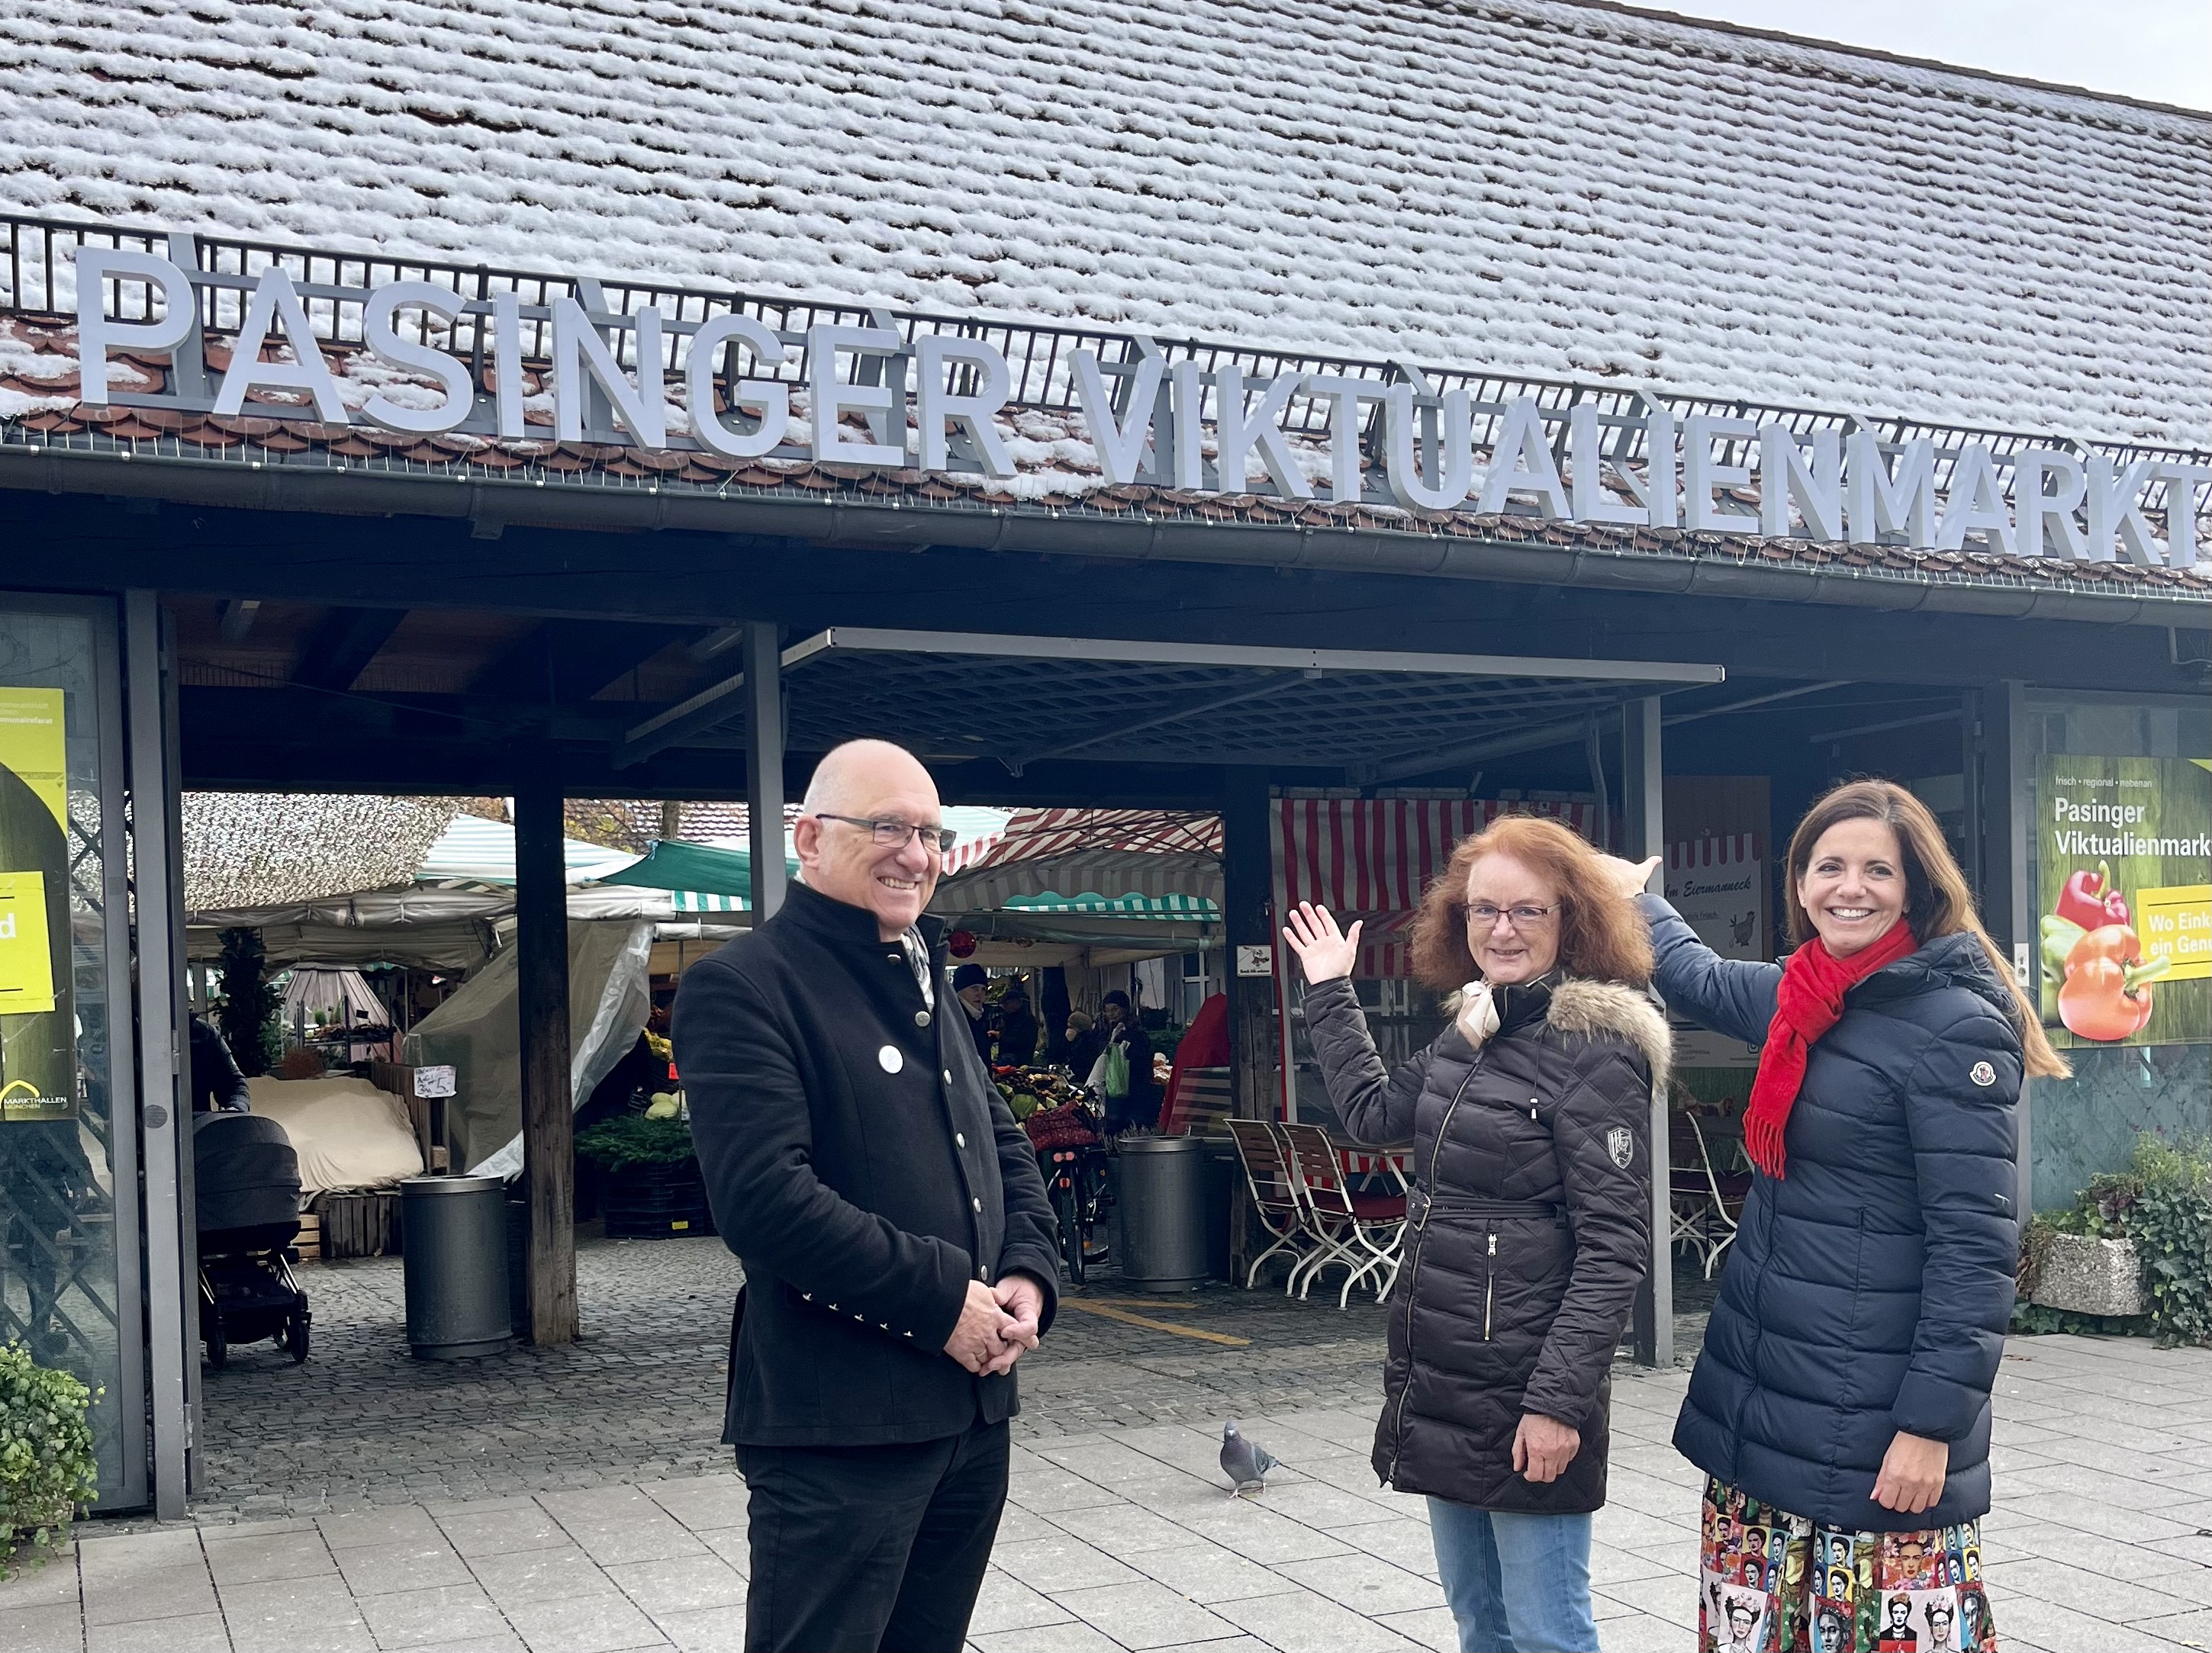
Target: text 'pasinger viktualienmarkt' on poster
{"points": [[2125, 845]]}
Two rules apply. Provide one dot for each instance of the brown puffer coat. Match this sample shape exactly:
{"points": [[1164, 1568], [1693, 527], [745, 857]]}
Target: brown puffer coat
{"points": [[1529, 1228]]}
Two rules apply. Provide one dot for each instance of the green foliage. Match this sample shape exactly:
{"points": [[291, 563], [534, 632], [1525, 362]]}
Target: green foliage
{"points": [[2162, 1203], [2171, 1223], [630, 1139], [48, 1472], [247, 1011]]}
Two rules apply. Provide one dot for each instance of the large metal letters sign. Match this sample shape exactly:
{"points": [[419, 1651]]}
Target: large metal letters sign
{"points": [[1147, 420]]}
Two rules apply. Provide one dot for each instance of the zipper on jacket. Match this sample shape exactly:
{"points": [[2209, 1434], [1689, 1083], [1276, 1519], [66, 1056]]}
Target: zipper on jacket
{"points": [[1490, 1287], [1413, 1269]]}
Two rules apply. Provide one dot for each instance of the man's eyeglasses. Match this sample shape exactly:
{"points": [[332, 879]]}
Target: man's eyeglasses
{"points": [[1483, 915], [889, 834]]}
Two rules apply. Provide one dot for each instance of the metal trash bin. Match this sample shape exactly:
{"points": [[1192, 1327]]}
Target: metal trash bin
{"points": [[1161, 1209], [455, 1253]]}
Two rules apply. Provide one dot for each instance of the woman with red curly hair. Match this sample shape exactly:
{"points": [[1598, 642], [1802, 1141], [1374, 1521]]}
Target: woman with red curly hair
{"points": [[1528, 1223]]}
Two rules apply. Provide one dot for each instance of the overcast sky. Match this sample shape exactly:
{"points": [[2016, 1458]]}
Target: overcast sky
{"points": [[2160, 50]]}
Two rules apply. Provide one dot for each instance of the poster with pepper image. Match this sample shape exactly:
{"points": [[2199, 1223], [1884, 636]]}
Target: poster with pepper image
{"points": [[2125, 851], [38, 1067]]}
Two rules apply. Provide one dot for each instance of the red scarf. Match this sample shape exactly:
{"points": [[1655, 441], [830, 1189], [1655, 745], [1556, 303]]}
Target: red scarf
{"points": [[1809, 1001]]}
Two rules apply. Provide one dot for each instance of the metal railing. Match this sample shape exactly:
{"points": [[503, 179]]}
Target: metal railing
{"points": [[37, 256]]}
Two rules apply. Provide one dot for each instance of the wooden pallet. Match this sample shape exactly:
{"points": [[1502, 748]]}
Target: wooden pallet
{"points": [[309, 1245], [359, 1225]]}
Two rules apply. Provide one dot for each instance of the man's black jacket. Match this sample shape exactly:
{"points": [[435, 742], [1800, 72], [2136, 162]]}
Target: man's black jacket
{"points": [[865, 1169]]}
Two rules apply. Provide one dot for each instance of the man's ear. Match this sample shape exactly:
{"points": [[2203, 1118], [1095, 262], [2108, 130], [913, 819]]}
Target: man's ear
{"points": [[807, 839]]}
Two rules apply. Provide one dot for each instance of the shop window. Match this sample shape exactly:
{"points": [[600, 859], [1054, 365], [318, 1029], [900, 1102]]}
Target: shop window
{"points": [[2133, 755], [68, 1252]]}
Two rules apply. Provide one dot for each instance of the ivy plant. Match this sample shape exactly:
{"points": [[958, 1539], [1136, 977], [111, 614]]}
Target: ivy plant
{"points": [[47, 1470]]}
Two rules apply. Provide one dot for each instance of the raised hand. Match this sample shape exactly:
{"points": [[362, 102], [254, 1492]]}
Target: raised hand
{"points": [[1629, 878], [1325, 953]]}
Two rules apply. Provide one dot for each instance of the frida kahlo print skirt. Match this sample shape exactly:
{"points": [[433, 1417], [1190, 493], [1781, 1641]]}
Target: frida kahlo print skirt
{"points": [[1770, 1582]]}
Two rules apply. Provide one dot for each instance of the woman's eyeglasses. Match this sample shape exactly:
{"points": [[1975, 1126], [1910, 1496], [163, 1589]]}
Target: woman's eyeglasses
{"points": [[889, 834], [1483, 915]]}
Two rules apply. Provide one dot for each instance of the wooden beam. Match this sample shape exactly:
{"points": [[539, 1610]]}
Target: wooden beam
{"points": [[548, 1149], [339, 649]]}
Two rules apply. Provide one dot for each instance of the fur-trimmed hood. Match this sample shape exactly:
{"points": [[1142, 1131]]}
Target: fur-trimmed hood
{"points": [[1587, 1008]]}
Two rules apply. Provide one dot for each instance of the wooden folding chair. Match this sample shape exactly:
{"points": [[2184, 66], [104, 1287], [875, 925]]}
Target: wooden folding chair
{"points": [[1360, 1231], [1274, 1195]]}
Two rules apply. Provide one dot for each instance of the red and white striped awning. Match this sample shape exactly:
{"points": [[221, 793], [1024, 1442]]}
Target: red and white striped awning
{"points": [[1377, 855], [1714, 849], [1111, 852]]}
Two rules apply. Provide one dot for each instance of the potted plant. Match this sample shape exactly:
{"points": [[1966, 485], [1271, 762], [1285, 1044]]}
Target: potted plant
{"points": [[2134, 1244], [47, 1471], [651, 1188]]}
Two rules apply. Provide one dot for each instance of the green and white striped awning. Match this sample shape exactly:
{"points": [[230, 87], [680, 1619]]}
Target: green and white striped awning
{"points": [[1171, 905]]}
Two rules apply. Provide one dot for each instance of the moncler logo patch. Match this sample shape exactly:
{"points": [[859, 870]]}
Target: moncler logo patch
{"points": [[1619, 1144], [1982, 1074], [890, 1060]]}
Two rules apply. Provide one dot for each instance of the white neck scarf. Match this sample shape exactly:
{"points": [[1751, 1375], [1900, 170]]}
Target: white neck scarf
{"points": [[1478, 1013]]}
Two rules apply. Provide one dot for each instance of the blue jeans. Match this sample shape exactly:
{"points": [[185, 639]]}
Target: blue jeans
{"points": [[1517, 1583]]}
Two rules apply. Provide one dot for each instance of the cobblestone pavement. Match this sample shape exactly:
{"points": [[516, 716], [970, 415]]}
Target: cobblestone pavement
{"points": [[574, 1501]]}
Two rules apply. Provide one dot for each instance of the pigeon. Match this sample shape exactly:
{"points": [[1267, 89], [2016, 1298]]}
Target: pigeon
{"points": [[1245, 1462]]}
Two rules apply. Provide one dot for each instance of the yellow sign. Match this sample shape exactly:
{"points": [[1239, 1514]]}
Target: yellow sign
{"points": [[2176, 923], [34, 743], [27, 960]]}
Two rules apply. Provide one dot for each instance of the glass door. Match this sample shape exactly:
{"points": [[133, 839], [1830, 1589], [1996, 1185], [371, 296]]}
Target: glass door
{"points": [[68, 1176]]}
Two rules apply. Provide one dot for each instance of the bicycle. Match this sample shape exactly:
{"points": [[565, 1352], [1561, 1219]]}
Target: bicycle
{"points": [[1073, 1158]]}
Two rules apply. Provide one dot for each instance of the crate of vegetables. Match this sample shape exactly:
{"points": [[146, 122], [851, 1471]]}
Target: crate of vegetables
{"points": [[650, 1187]]}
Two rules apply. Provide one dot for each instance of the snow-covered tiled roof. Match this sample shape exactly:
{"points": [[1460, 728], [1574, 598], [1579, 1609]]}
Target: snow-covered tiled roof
{"points": [[1543, 188]]}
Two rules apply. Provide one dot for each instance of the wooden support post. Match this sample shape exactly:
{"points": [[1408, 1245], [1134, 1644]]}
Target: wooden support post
{"points": [[764, 764], [548, 1136], [1643, 787], [1247, 890]]}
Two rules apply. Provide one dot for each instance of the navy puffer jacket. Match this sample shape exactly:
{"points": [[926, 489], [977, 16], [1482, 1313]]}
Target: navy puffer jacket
{"points": [[1868, 1289]]}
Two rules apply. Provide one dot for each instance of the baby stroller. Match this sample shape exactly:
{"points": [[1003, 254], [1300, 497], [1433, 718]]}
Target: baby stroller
{"points": [[248, 1189]]}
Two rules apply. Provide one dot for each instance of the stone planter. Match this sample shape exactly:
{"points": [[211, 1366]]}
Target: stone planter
{"points": [[2091, 1276]]}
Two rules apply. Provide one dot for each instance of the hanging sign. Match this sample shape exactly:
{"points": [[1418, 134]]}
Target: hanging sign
{"points": [[1719, 887], [27, 966], [2123, 849]]}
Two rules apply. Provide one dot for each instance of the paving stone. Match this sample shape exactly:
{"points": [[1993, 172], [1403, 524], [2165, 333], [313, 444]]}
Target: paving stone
{"points": [[595, 1624], [526, 1526], [1261, 1534], [288, 1615], [40, 1581], [1051, 1564], [1306, 1623], [1143, 1615], [48, 1628], [1119, 1529], [1642, 1633], [1206, 1572], [1430, 1627], [1673, 1597], [620, 1523], [707, 1630], [356, 1530], [1365, 1583], [1072, 1636], [173, 1592], [422, 1617], [521, 1578], [386, 1569], [197, 1632], [1403, 1543], [257, 1558], [2047, 1624], [704, 1502], [1006, 1603], [659, 1587], [2082, 1588]]}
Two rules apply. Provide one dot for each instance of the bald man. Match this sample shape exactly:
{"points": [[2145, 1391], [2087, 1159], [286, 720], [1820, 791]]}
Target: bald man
{"points": [[898, 1247]]}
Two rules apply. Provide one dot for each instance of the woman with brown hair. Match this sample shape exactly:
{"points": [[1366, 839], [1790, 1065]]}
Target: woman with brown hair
{"points": [[1528, 1222], [1840, 1406]]}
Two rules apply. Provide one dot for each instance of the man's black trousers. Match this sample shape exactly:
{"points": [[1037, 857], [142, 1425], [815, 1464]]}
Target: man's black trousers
{"points": [[870, 1549]]}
